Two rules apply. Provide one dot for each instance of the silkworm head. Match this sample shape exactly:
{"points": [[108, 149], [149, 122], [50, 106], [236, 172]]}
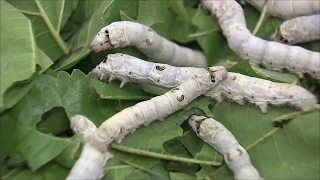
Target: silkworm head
{"points": [[101, 41], [195, 122], [219, 73]]}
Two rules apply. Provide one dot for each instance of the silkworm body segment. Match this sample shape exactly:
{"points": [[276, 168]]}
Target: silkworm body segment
{"points": [[221, 139], [155, 47], [91, 161], [298, 30], [271, 55]]}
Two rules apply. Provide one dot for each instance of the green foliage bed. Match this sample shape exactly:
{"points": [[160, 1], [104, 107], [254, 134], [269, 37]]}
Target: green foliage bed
{"points": [[45, 80]]}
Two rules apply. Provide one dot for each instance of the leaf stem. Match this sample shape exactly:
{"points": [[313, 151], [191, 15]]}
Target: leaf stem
{"points": [[161, 156], [29, 13], [11, 172], [293, 114], [125, 15], [60, 16], [54, 33], [262, 15], [140, 167], [199, 34]]}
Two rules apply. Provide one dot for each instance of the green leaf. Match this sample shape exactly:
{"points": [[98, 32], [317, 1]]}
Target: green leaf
{"points": [[245, 68], [49, 123], [176, 175], [177, 7], [18, 55], [51, 170], [112, 91], [152, 12], [291, 151], [209, 37], [47, 18], [49, 100], [128, 166], [35, 147], [180, 31], [104, 13], [268, 26], [72, 92], [70, 155]]}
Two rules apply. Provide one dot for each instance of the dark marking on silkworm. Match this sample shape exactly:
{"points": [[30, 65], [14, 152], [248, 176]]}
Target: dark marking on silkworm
{"points": [[198, 124], [181, 98], [213, 79], [175, 89], [160, 68], [229, 158], [240, 152], [148, 42]]}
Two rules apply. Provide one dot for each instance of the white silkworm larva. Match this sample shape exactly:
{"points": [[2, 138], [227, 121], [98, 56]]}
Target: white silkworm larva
{"points": [[298, 30], [288, 9], [91, 161], [155, 47], [272, 55], [119, 125], [221, 139], [237, 87]]}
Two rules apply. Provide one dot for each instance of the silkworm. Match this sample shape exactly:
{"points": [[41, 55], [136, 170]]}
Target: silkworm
{"points": [[220, 138], [129, 119], [289, 8], [154, 46], [271, 55], [298, 30], [238, 87], [91, 161]]}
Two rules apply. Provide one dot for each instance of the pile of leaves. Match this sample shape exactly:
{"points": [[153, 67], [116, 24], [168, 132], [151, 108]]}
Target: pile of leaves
{"points": [[45, 80]]}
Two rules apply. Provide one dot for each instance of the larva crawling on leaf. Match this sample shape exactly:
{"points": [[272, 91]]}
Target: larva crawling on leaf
{"points": [[237, 87], [91, 161], [156, 48], [272, 55], [241, 88], [287, 9], [298, 30], [129, 119], [221, 139]]}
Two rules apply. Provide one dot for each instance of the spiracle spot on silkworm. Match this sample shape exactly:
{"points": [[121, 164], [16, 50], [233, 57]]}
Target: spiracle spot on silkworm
{"points": [[181, 98], [148, 42], [229, 158], [107, 32], [174, 89], [160, 68], [240, 152], [130, 72]]}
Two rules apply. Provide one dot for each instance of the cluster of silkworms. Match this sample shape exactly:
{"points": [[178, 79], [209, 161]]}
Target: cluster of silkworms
{"points": [[187, 83]]}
